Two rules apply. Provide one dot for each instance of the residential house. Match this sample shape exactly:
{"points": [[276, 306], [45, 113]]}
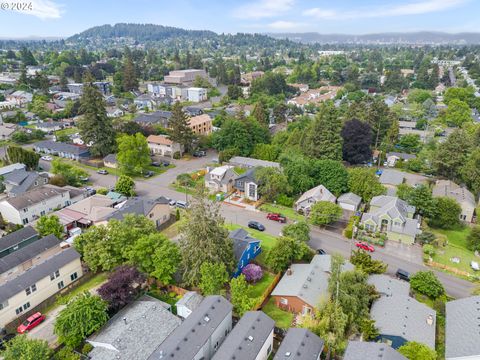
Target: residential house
{"points": [[19, 97], [5, 170], [349, 201], [145, 101], [185, 77], [460, 194], [400, 318], [462, 326], [168, 92], [6, 130], [193, 111], [63, 150], [312, 196], [43, 200], [114, 112], [49, 126], [245, 248], [220, 179], [17, 240], [157, 210], [314, 96], [392, 216], [393, 157], [201, 334], [300, 87], [391, 179], [247, 78], [360, 350], [249, 163], [110, 161], [188, 303], [300, 344], [246, 185], [162, 145], [134, 332], [20, 181], [250, 339], [42, 276], [201, 124], [77, 88], [196, 94], [303, 286], [159, 117]]}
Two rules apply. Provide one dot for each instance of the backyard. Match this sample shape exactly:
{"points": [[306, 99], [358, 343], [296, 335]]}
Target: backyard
{"points": [[283, 319], [261, 286], [290, 213], [455, 254]]}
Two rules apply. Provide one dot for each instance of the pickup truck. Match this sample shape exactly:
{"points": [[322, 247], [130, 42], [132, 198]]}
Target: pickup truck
{"points": [[277, 217]]}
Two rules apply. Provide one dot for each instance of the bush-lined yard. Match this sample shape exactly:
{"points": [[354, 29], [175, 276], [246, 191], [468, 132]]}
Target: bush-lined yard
{"points": [[290, 213], [283, 319]]}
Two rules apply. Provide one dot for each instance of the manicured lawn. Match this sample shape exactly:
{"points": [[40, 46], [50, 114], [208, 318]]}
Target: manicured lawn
{"points": [[86, 286], [290, 213], [259, 288], [456, 248], [283, 319], [68, 131]]}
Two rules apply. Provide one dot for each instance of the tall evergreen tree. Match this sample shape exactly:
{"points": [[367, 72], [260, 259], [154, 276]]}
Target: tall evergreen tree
{"points": [[179, 130], [95, 126], [323, 140], [130, 81], [204, 239], [260, 113], [357, 137]]}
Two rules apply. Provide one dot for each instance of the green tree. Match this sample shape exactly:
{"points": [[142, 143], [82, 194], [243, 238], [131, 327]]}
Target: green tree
{"points": [[470, 171], [284, 252], [323, 140], [325, 212], [271, 183], [82, 316], [179, 130], [421, 197], [213, 278], [133, 154], [419, 96], [364, 183], [23, 348], [260, 113], [364, 262], [267, 152], [473, 239], [204, 239], [447, 213], [331, 174], [299, 231], [426, 283], [17, 154], [240, 295], [95, 126], [125, 186], [129, 78], [458, 113], [50, 224], [416, 351], [357, 138], [451, 155], [71, 173]]}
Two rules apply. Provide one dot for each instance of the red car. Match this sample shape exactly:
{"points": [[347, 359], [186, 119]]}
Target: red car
{"points": [[365, 246], [277, 217], [30, 323]]}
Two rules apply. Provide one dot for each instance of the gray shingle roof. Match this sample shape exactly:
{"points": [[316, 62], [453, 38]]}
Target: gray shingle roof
{"points": [[191, 300], [299, 344], [186, 340], [110, 158], [36, 196], [138, 206], [401, 155], [391, 177], [247, 337], [241, 241], [28, 252], [462, 337], [406, 317], [350, 198], [250, 162], [36, 273], [21, 181], [147, 325], [57, 146], [9, 168], [389, 286], [17, 237], [157, 117], [308, 282], [359, 350]]}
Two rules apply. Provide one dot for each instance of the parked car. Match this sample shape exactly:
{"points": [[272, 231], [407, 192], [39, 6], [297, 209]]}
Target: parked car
{"points": [[46, 158], [166, 163], [148, 174], [181, 204], [31, 322], [365, 246], [200, 153], [102, 172], [171, 202], [276, 217], [256, 225], [4, 339], [403, 275], [321, 252], [156, 164], [84, 178]]}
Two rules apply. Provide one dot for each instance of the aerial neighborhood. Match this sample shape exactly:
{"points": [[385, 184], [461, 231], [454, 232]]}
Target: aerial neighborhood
{"points": [[185, 194]]}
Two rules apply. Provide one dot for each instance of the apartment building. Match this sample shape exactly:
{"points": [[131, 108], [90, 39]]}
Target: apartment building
{"points": [[201, 124], [17, 240], [185, 77]]}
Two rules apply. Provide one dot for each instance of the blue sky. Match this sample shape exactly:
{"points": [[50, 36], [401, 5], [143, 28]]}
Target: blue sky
{"points": [[67, 17]]}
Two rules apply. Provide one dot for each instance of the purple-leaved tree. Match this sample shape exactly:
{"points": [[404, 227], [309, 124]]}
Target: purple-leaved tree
{"points": [[252, 273]]}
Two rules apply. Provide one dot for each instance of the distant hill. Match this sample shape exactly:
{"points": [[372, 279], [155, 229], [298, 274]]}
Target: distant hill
{"points": [[422, 37]]}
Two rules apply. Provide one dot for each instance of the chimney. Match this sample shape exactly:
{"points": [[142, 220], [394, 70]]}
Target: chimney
{"points": [[125, 320], [289, 271]]}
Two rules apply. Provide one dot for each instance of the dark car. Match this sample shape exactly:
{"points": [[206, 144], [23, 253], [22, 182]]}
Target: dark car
{"points": [[321, 252], [156, 164], [148, 174], [256, 225], [166, 163], [403, 275], [200, 153], [4, 339]]}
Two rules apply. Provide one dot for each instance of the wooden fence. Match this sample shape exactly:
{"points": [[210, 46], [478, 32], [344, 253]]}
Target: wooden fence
{"points": [[267, 292], [448, 268]]}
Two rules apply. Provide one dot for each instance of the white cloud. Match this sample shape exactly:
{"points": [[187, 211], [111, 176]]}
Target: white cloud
{"points": [[263, 9], [285, 25], [411, 8], [43, 9]]}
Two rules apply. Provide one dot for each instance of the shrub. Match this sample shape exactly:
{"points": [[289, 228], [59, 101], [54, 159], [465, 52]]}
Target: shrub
{"points": [[426, 238], [284, 200], [426, 283], [102, 191], [177, 155], [429, 250], [253, 273]]}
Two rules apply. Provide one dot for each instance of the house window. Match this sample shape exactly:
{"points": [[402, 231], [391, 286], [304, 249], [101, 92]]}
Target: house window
{"points": [[60, 285], [398, 223], [150, 216], [31, 289], [55, 275], [74, 276], [42, 213], [25, 210], [26, 306], [19, 310], [283, 301], [269, 350], [252, 190], [3, 305], [25, 221]]}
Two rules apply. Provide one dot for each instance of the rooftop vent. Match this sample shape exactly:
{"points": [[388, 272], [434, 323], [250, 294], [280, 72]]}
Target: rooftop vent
{"points": [[288, 353], [305, 286], [206, 318], [250, 338], [430, 320]]}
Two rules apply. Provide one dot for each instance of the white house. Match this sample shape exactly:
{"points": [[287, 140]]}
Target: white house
{"points": [[312, 196], [31, 205], [20, 97], [195, 94], [161, 145], [349, 201]]}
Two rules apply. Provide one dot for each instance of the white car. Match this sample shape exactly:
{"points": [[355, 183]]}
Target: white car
{"points": [[47, 158], [474, 265]]}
